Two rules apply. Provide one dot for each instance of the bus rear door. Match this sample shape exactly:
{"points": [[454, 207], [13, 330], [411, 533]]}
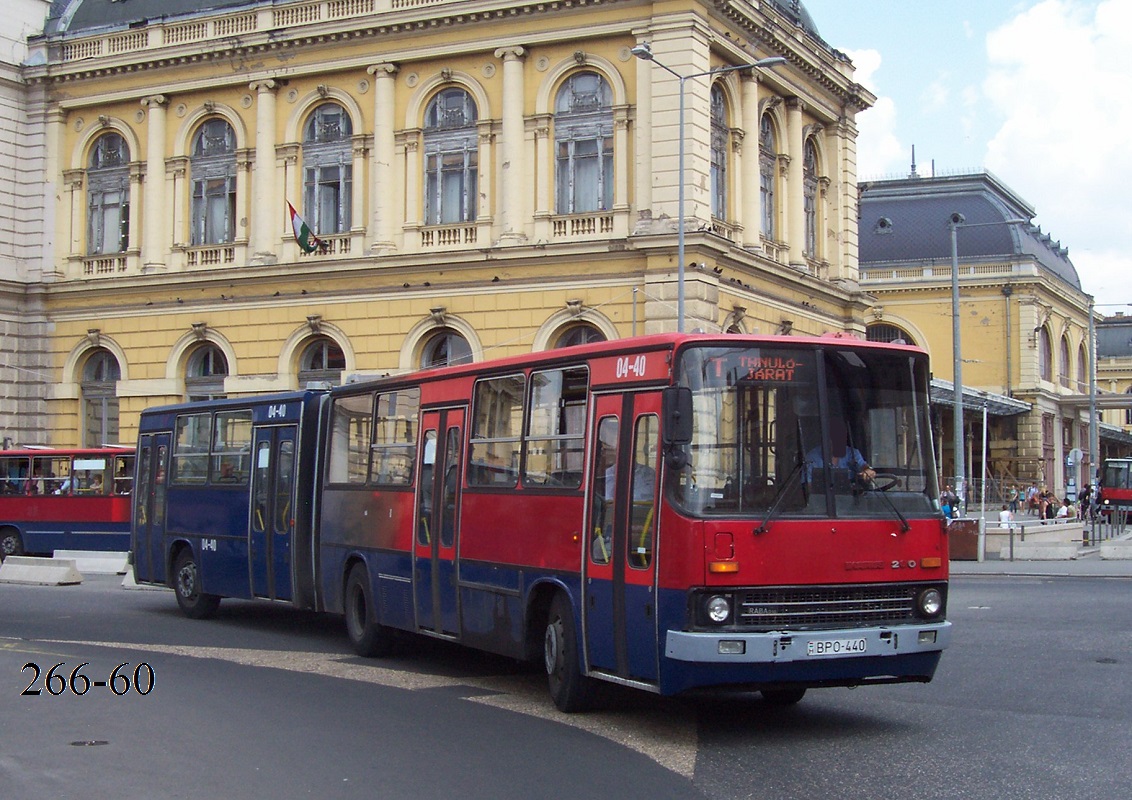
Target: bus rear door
{"points": [[149, 507], [272, 525], [620, 581], [435, 571]]}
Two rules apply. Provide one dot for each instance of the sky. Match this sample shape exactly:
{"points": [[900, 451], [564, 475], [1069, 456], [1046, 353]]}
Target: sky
{"points": [[1038, 92]]}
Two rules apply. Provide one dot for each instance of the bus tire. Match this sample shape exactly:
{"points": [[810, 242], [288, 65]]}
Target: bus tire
{"points": [[186, 585], [10, 543], [782, 697], [569, 688], [369, 639]]}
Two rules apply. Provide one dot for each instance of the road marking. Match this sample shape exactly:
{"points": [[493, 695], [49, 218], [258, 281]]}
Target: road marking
{"points": [[670, 742]]}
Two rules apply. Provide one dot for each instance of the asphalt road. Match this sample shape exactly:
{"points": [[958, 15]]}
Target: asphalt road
{"points": [[1033, 700]]}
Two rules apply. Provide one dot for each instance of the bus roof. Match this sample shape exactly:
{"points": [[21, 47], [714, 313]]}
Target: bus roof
{"points": [[47, 452]]}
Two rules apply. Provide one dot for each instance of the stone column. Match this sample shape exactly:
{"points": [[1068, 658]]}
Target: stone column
{"points": [[384, 153], [267, 206], [795, 197], [155, 232], [750, 210], [512, 202]]}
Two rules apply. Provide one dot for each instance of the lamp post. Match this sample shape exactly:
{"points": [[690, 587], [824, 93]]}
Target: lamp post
{"points": [[955, 222], [643, 51]]}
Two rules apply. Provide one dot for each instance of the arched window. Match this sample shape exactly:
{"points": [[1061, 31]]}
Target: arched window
{"points": [[101, 372], [327, 169], [720, 134], [883, 332], [579, 334], [321, 363], [108, 196], [451, 158], [204, 376], [810, 198], [583, 139], [1063, 363], [768, 164], [1082, 370], [1045, 355], [212, 166], [444, 349]]}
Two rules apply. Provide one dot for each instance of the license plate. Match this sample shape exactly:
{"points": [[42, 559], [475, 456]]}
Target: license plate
{"points": [[836, 647]]}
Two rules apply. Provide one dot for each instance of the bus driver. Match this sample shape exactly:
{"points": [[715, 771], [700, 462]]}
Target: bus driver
{"points": [[843, 455]]}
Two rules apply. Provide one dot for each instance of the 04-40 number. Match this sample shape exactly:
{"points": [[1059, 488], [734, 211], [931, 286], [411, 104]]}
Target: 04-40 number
{"points": [[121, 680]]}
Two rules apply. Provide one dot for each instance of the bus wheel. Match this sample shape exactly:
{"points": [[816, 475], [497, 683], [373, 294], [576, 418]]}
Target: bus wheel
{"points": [[569, 688], [186, 585], [10, 544], [368, 638], [782, 697]]}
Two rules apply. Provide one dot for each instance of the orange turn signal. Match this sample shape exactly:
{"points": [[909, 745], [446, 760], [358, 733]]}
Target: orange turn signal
{"points": [[935, 562], [723, 566]]}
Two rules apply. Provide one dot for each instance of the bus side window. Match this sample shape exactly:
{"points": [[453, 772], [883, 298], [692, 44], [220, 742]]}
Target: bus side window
{"points": [[605, 482]]}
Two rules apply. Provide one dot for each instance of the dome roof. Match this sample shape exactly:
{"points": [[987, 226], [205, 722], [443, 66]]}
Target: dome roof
{"points": [[797, 12], [906, 221]]}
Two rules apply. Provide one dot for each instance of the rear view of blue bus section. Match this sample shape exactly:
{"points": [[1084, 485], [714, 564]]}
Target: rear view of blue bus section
{"points": [[226, 493]]}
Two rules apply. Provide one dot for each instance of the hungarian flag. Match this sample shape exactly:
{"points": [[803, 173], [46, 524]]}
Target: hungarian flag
{"points": [[307, 240]]}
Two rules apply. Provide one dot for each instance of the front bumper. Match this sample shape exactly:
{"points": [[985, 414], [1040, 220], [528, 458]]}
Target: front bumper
{"points": [[776, 647]]}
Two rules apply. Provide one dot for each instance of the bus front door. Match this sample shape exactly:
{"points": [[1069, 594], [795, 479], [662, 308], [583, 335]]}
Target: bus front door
{"points": [[435, 569], [272, 523], [149, 507], [620, 582]]}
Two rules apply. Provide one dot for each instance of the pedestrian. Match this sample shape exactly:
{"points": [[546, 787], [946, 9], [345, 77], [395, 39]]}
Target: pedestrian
{"points": [[1006, 517], [1012, 499], [1032, 498]]}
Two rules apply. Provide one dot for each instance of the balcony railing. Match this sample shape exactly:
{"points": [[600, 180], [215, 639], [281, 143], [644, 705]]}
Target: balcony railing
{"points": [[210, 255], [582, 225], [449, 236]]}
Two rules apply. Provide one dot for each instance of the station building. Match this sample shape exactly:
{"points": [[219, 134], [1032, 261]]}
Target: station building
{"points": [[485, 178]]}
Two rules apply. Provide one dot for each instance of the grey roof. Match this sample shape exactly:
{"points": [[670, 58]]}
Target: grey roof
{"points": [[796, 11], [1114, 336], [906, 221], [998, 405]]}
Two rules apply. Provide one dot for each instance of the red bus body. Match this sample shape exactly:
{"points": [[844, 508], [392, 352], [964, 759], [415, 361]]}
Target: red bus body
{"points": [[1116, 485], [667, 512], [65, 499]]}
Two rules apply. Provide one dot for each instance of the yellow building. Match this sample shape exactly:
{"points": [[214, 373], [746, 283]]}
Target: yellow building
{"points": [[485, 178], [1023, 319]]}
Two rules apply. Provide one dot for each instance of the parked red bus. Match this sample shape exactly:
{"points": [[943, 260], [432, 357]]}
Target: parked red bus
{"points": [[1116, 485], [665, 512], [65, 499]]}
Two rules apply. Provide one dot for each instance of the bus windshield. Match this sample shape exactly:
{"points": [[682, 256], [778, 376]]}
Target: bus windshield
{"points": [[801, 431]]}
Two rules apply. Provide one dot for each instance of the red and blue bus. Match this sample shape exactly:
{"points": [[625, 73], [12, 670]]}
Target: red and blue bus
{"points": [[1116, 485], [65, 499], [666, 512]]}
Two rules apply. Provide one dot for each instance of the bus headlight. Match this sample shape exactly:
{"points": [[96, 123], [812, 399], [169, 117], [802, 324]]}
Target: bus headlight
{"points": [[718, 609], [929, 602]]}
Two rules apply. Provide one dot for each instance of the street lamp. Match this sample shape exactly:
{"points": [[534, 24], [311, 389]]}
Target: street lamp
{"points": [[955, 222], [643, 51]]}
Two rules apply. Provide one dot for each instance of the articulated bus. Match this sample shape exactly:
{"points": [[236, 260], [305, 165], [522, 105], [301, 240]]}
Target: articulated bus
{"points": [[667, 512], [1116, 485], [65, 499]]}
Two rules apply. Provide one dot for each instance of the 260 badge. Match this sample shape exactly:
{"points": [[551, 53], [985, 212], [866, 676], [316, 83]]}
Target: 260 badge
{"points": [[121, 681]]}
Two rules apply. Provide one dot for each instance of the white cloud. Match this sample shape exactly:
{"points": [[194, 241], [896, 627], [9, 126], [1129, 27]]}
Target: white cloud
{"points": [[878, 148], [1058, 76]]}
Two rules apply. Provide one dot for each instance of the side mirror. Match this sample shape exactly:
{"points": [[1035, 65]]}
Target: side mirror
{"points": [[676, 409]]}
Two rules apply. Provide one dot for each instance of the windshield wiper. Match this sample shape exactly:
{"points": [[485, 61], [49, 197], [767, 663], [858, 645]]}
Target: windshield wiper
{"points": [[779, 497], [905, 527]]}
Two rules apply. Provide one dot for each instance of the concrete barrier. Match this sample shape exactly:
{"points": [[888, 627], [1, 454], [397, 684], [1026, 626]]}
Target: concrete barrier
{"points": [[128, 582], [39, 571], [1116, 549], [1041, 551], [95, 562]]}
